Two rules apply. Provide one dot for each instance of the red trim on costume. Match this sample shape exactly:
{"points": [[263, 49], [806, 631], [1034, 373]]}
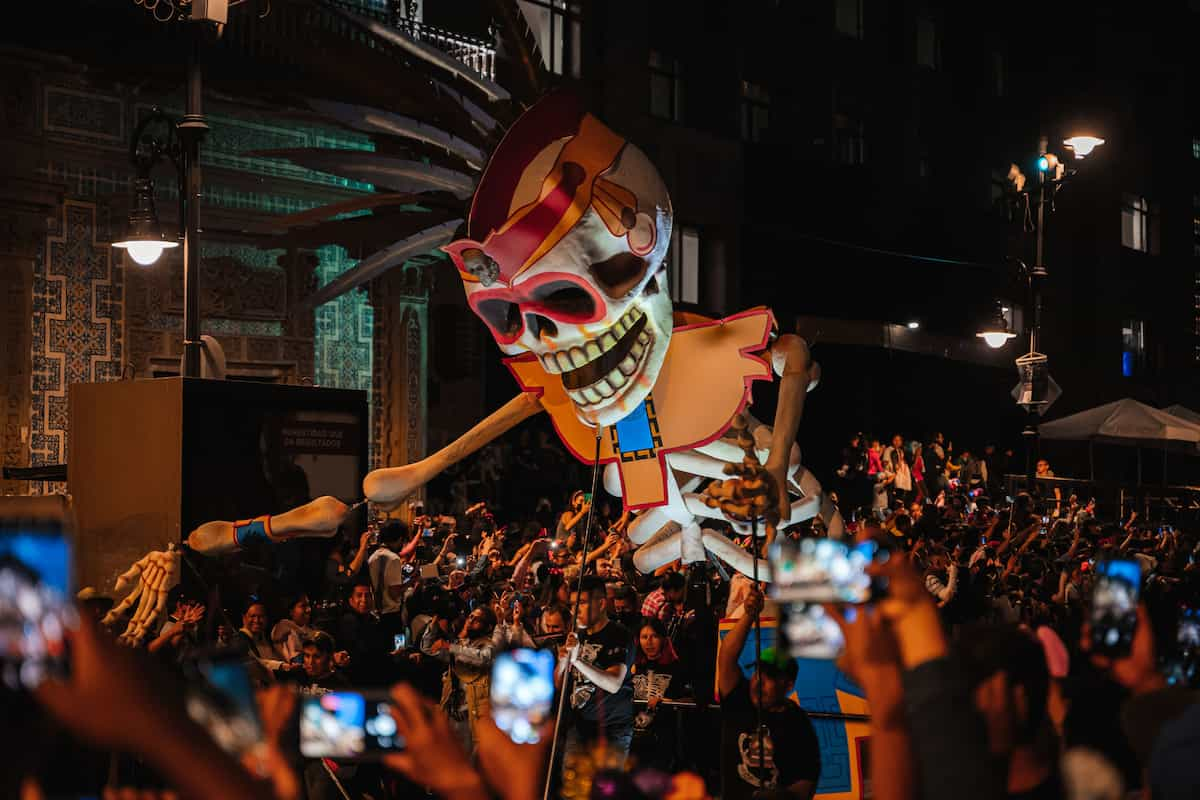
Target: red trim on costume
{"points": [[521, 295], [556, 116]]}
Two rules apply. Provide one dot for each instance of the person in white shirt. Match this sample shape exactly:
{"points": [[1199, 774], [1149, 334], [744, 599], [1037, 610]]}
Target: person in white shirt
{"points": [[385, 569], [290, 633]]}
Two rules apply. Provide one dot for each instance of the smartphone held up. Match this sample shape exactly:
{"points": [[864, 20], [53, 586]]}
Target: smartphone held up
{"points": [[818, 570], [1113, 610], [522, 692], [348, 725], [36, 610]]}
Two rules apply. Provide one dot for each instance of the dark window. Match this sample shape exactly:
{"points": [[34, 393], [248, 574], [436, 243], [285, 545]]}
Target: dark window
{"points": [[849, 140], [666, 87], [756, 111], [928, 45], [557, 27], [848, 17]]}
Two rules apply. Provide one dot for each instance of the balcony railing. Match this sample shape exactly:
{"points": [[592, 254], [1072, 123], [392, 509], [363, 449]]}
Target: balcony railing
{"points": [[478, 54]]}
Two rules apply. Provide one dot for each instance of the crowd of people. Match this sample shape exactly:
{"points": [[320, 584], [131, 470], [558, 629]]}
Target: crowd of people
{"points": [[976, 661]]}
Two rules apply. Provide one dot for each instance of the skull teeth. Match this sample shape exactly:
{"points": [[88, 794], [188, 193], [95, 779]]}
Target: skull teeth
{"points": [[613, 382], [571, 358]]}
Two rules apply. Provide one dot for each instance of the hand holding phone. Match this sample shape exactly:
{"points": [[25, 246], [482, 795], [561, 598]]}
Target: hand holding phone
{"points": [[348, 725], [1112, 614], [223, 703], [36, 611], [522, 693], [817, 570]]}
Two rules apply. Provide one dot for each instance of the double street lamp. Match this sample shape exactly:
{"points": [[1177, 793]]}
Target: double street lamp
{"points": [[1034, 366]]}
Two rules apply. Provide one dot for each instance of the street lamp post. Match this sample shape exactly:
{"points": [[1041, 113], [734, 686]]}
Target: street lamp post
{"points": [[145, 241], [1034, 366], [192, 129]]}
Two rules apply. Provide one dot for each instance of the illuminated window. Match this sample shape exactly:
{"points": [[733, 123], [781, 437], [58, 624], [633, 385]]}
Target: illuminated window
{"points": [[685, 265], [557, 27], [756, 111], [1195, 148], [848, 17], [1139, 220], [1133, 347], [666, 87]]}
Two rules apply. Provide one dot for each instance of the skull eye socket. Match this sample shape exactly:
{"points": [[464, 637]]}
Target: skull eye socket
{"points": [[501, 316], [619, 275], [565, 301]]}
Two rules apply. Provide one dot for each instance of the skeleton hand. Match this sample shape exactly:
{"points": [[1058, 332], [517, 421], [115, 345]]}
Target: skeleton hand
{"points": [[319, 518], [752, 492], [159, 574]]}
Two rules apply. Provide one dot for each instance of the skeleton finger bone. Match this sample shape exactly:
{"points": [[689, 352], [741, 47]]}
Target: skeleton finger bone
{"points": [[391, 485], [733, 555], [118, 610], [132, 574]]}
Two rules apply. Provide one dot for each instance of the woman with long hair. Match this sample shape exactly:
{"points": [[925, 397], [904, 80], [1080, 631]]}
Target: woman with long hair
{"points": [[658, 674]]}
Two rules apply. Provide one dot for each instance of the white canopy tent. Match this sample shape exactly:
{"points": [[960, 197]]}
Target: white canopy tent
{"points": [[1183, 412], [1126, 422]]}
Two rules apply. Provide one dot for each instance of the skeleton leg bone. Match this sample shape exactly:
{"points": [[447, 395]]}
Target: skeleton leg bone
{"points": [[319, 518], [390, 485]]}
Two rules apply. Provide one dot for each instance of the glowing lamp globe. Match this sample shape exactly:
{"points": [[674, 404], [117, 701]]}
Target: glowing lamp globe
{"points": [[996, 339], [144, 252], [1083, 145], [144, 240]]}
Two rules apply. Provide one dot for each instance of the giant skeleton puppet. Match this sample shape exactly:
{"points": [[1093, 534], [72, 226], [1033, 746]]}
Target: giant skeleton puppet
{"points": [[564, 261]]}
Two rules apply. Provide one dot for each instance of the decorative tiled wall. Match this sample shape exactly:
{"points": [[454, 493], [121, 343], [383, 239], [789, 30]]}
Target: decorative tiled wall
{"points": [[344, 329], [78, 334]]}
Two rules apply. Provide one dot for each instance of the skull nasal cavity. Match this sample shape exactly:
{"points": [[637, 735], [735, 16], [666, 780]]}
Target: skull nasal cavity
{"points": [[539, 325], [501, 316], [619, 275]]}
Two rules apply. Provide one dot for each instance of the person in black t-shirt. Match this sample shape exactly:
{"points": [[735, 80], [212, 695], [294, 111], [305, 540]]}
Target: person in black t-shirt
{"points": [[600, 656], [658, 675], [791, 756]]}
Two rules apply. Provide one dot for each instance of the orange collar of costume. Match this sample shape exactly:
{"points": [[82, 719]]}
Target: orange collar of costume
{"points": [[704, 383]]}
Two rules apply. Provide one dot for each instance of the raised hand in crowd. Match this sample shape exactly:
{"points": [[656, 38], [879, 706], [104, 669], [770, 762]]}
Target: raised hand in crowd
{"points": [[432, 757], [1138, 671], [116, 698]]}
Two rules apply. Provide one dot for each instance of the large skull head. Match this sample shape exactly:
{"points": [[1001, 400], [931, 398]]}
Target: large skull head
{"points": [[565, 257]]}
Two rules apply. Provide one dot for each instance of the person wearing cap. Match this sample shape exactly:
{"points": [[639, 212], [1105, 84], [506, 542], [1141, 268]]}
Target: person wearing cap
{"points": [[790, 761]]}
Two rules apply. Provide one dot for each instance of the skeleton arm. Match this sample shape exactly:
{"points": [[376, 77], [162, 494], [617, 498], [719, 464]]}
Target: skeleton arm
{"points": [[793, 362], [390, 485]]}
